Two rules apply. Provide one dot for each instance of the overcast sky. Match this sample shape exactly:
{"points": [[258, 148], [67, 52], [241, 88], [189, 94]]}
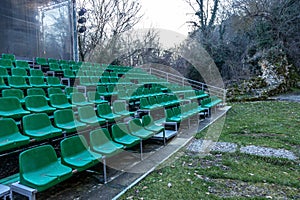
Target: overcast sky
{"points": [[166, 14]]}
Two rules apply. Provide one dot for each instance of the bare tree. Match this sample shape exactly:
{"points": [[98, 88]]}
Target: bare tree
{"points": [[106, 20]]}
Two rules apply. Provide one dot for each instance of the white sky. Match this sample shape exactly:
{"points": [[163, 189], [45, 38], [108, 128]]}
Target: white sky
{"points": [[166, 14]]}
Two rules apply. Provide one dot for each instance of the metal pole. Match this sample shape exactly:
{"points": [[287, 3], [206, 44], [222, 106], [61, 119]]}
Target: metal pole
{"points": [[75, 35]]}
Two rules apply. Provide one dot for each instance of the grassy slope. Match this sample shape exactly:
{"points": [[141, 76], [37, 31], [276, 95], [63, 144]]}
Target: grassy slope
{"points": [[235, 175]]}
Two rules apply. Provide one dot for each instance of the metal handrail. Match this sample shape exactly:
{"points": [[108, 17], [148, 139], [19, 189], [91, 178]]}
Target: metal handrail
{"points": [[184, 81]]}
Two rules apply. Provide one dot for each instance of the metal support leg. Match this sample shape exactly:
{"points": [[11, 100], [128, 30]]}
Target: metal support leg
{"points": [[164, 137], [141, 148], [104, 169]]}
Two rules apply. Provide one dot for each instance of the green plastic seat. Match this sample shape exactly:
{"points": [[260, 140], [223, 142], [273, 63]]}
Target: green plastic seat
{"points": [[65, 66], [54, 82], [3, 72], [10, 137], [14, 93], [36, 72], [8, 56], [11, 107], [69, 90], [65, 120], [38, 82], [120, 134], [38, 104], [68, 73], [22, 64], [51, 91], [36, 91], [60, 101], [52, 60], [78, 99], [41, 61], [6, 63], [170, 117], [102, 143], [39, 127], [119, 108], [148, 124], [111, 90], [18, 82], [136, 128], [88, 115], [85, 80], [104, 111], [95, 97], [54, 67], [145, 104], [102, 91], [76, 153], [41, 169], [19, 72]]}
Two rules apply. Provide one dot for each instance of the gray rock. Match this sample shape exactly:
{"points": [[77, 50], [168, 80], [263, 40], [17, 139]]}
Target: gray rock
{"points": [[268, 152], [200, 146]]}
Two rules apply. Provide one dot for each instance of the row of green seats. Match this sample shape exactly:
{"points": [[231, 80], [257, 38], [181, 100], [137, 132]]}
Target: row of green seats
{"points": [[181, 113], [34, 81], [40, 168], [17, 64], [158, 102]]}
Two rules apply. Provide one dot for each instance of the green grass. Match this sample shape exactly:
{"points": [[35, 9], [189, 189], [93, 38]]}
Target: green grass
{"points": [[269, 124]]}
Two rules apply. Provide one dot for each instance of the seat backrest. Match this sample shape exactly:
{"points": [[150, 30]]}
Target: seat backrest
{"points": [[22, 64], [35, 91], [101, 89], [147, 120], [58, 99], [6, 63], [77, 97], [54, 66], [13, 93], [3, 72], [110, 88], [54, 91], [64, 116], [73, 145], [144, 102], [169, 113], [104, 109], [16, 80], [86, 112], [53, 80], [41, 61], [35, 121], [99, 136], [52, 60], [92, 95], [8, 56], [119, 106], [65, 66], [36, 80], [9, 103], [36, 72], [35, 101], [18, 72], [135, 125], [119, 130], [8, 127], [68, 72], [69, 90], [36, 158]]}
